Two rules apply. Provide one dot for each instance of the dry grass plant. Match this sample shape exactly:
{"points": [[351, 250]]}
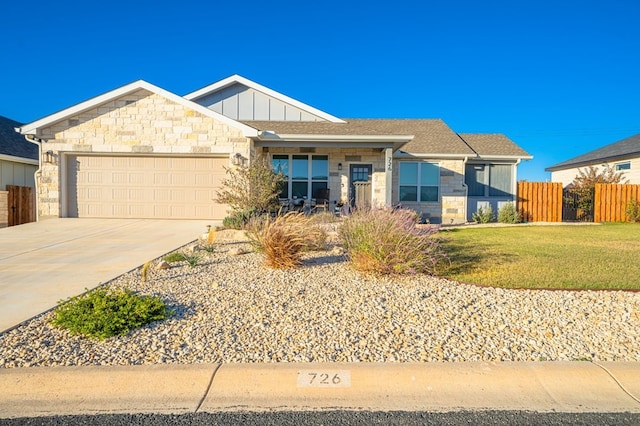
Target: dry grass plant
{"points": [[284, 238], [384, 241]]}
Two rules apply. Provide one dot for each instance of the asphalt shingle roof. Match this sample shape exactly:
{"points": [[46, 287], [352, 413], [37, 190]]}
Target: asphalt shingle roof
{"points": [[488, 144], [13, 143], [431, 136], [625, 148]]}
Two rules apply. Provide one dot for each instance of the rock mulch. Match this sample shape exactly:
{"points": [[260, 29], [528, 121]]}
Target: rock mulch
{"points": [[232, 309]]}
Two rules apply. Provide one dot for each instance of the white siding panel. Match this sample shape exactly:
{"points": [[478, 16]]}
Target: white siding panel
{"points": [[245, 105], [261, 106], [276, 110]]}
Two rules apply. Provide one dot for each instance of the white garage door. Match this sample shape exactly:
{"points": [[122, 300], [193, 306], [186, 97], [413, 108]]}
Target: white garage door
{"points": [[144, 187]]}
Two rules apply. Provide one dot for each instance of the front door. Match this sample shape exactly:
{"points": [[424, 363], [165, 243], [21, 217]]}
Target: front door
{"points": [[359, 173]]}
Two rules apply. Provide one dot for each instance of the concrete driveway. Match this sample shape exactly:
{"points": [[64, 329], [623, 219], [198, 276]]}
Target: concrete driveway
{"points": [[44, 262]]}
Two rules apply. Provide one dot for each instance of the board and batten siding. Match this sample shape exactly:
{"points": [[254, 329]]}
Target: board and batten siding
{"points": [[19, 174], [240, 102]]}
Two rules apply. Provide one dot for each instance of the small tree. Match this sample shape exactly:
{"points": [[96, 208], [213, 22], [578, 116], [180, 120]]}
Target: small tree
{"points": [[251, 189], [584, 186]]}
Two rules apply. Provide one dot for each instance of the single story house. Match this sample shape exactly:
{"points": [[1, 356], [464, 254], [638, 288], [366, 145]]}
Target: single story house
{"points": [[140, 151], [623, 156], [18, 163]]}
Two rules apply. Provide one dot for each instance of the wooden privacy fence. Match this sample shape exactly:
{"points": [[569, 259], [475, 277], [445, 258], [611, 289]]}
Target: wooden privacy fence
{"points": [[20, 205], [540, 201], [611, 201]]}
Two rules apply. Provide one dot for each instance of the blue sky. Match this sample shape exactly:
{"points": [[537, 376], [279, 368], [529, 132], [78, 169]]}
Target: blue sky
{"points": [[560, 78]]}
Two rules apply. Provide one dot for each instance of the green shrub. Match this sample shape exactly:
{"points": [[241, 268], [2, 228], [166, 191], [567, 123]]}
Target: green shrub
{"points": [[238, 219], [192, 259], [509, 214], [633, 211], [483, 215], [174, 257], [390, 242], [102, 313], [283, 239]]}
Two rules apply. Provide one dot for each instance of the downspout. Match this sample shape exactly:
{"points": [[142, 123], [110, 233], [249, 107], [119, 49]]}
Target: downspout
{"points": [[33, 139]]}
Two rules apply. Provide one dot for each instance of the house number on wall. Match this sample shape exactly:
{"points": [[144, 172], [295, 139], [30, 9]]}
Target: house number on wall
{"points": [[389, 164], [324, 378]]}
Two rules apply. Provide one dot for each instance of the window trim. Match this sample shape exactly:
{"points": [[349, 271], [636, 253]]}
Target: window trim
{"points": [[418, 184]]}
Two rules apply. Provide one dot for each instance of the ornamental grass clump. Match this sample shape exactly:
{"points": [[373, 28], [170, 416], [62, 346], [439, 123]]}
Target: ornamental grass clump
{"points": [[103, 313], [283, 239], [390, 242]]}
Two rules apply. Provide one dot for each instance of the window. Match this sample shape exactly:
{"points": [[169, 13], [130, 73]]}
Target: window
{"points": [[623, 166], [419, 182], [309, 173], [489, 180]]}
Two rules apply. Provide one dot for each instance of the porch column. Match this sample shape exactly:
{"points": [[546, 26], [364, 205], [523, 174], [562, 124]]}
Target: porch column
{"points": [[388, 176]]}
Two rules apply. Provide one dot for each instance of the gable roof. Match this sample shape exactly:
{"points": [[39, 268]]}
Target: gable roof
{"points": [[493, 145], [629, 147], [34, 127], [237, 79], [13, 144]]}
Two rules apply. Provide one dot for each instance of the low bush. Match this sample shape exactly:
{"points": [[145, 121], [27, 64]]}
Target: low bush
{"points": [[483, 215], [390, 242], [509, 214], [633, 211], [238, 219], [102, 313], [283, 239], [174, 257]]}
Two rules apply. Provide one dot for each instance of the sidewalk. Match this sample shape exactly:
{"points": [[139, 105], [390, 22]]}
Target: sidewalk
{"points": [[435, 387]]}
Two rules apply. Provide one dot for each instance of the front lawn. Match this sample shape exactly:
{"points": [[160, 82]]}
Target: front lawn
{"points": [[559, 257]]}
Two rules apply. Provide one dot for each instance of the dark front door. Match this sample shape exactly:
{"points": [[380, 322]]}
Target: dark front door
{"points": [[358, 173]]}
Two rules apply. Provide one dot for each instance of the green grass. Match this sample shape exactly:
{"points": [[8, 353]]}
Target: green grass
{"points": [[558, 257]]}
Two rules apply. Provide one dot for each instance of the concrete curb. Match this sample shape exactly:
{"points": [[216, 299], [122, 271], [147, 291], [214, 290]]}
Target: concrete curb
{"points": [[434, 387]]}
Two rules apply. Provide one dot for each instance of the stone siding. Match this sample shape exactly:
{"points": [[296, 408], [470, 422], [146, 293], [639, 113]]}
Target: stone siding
{"points": [[140, 123]]}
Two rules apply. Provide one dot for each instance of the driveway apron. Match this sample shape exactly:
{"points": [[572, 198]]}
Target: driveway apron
{"points": [[44, 262]]}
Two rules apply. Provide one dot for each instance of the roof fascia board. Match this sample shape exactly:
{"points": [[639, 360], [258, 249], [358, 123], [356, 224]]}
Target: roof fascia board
{"points": [[260, 88], [403, 155], [593, 162], [22, 160], [265, 135], [33, 127], [326, 144]]}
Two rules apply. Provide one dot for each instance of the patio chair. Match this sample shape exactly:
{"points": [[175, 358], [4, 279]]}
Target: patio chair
{"points": [[322, 199]]}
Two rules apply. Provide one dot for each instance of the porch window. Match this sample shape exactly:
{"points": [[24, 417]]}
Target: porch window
{"points": [[419, 182], [309, 173], [489, 180]]}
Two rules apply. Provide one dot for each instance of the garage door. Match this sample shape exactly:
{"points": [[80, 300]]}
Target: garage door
{"points": [[144, 187]]}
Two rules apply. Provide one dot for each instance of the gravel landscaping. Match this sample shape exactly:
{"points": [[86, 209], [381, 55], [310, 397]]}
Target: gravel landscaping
{"points": [[230, 308]]}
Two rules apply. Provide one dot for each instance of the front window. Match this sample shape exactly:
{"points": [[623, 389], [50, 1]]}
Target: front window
{"points": [[309, 173], [419, 182], [489, 180]]}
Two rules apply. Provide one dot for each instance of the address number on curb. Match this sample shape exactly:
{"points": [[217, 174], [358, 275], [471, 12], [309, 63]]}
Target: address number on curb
{"points": [[324, 378]]}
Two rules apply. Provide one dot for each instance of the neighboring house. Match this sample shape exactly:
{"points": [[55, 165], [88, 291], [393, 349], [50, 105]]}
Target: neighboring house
{"points": [[141, 151], [18, 163], [623, 156]]}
